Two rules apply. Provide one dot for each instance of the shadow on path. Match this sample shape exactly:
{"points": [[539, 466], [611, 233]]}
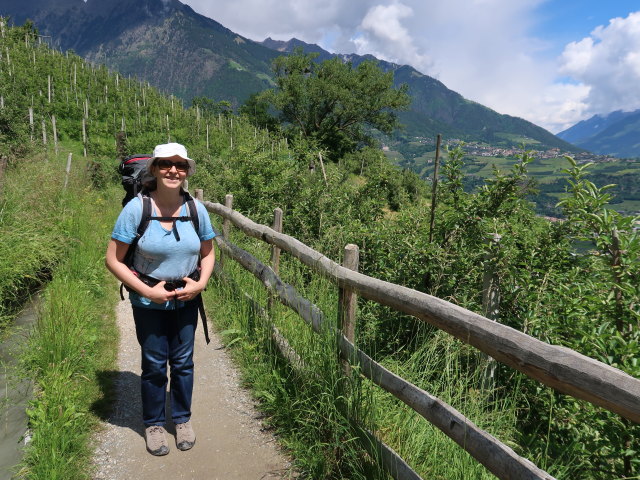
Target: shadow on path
{"points": [[125, 409]]}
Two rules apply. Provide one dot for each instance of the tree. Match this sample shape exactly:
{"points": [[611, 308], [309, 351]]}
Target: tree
{"points": [[332, 102], [212, 107]]}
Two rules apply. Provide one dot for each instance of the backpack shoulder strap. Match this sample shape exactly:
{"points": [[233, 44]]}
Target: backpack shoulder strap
{"points": [[146, 214], [193, 211], [142, 227]]}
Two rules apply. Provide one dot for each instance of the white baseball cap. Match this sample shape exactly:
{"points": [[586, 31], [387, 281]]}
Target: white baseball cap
{"points": [[168, 150]]}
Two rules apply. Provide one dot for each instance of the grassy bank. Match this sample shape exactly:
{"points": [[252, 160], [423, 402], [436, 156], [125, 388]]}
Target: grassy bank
{"points": [[74, 340]]}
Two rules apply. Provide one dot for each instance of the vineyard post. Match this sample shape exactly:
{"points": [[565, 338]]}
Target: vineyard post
{"points": [[55, 133], [44, 133], [67, 170], [324, 173], [84, 136], [434, 189], [491, 299], [275, 251], [31, 122], [207, 136], [348, 301]]}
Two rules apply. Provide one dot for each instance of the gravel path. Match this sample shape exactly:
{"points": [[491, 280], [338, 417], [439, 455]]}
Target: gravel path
{"points": [[231, 443]]}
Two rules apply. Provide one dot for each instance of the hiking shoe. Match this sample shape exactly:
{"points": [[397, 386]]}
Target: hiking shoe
{"points": [[185, 438], [156, 440]]}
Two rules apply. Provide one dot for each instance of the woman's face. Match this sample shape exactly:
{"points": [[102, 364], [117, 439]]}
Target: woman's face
{"points": [[170, 172]]}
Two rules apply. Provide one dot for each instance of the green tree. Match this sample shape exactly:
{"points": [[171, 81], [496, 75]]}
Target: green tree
{"points": [[332, 102]]}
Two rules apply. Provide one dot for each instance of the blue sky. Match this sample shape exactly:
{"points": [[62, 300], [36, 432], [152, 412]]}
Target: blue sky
{"points": [[564, 21], [553, 62]]}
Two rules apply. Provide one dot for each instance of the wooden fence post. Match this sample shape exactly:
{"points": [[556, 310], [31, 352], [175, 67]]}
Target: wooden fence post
{"points": [[275, 251], [348, 300], [491, 301], [44, 132], [434, 189], [226, 224], [199, 194]]}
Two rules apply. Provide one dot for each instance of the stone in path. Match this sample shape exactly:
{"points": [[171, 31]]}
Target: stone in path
{"points": [[231, 443]]}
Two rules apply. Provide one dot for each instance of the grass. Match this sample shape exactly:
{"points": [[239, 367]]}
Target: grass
{"points": [[75, 337], [311, 408], [31, 243]]}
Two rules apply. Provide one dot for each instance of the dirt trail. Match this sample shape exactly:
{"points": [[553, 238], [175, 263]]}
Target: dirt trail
{"points": [[231, 443]]}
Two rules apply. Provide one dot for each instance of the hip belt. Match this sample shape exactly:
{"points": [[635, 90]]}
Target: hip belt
{"points": [[170, 286]]}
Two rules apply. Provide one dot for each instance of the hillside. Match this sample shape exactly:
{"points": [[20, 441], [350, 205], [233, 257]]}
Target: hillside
{"points": [[187, 54], [617, 134]]}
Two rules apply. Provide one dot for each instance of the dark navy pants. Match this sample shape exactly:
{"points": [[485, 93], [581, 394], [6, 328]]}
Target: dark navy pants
{"points": [[166, 336]]}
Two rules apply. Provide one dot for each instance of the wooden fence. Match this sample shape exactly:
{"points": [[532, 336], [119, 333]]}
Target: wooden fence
{"points": [[558, 367]]}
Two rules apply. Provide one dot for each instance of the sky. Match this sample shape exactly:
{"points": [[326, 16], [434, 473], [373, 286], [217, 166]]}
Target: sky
{"points": [[552, 62]]}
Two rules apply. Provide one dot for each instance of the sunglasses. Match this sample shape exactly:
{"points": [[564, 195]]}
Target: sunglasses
{"points": [[167, 164]]}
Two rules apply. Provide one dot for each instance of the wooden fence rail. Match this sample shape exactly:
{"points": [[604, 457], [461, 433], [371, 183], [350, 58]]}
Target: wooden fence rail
{"points": [[558, 367], [498, 458]]}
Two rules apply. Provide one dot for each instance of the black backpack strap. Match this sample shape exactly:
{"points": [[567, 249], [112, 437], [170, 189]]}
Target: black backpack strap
{"points": [[142, 227], [193, 211], [203, 317]]}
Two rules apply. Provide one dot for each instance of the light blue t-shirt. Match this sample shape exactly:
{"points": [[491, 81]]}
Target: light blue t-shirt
{"points": [[159, 254]]}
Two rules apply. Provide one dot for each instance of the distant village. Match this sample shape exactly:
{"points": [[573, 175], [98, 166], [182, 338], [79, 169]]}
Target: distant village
{"points": [[484, 150]]}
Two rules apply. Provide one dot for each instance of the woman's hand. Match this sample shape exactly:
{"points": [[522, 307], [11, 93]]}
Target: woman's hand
{"points": [[158, 294], [190, 290]]}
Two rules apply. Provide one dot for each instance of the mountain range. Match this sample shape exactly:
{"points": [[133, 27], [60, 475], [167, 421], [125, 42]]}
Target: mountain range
{"points": [[616, 134], [187, 54]]}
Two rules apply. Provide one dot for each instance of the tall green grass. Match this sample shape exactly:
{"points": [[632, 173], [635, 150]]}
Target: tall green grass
{"points": [[312, 409], [75, 336], [31, 230]]}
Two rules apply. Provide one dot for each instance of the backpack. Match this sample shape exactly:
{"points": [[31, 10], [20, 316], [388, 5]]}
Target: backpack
{"points": [[132, 169]]}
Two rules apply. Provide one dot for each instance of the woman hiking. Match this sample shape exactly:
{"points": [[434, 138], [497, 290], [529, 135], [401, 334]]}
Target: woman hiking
{"points": [[167, 269]]}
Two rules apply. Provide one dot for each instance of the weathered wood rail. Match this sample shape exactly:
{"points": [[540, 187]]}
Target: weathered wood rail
{"points": [[558, 367]]}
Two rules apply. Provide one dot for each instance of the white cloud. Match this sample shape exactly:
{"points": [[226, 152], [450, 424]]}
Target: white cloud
{"points": [[482, 49], [383, 34], [608, 63]]}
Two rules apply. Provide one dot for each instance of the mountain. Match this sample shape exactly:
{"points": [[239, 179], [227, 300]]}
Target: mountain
{"points": [[162, 41], [437, 109], [616, 134], [174, 48]]}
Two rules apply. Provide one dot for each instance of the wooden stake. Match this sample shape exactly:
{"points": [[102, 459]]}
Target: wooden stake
{"points": [[68, 170], [348, 300], [55, 133], [324, 173], [275, 252], [490, 302], [31, 121], [84, 136]]}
